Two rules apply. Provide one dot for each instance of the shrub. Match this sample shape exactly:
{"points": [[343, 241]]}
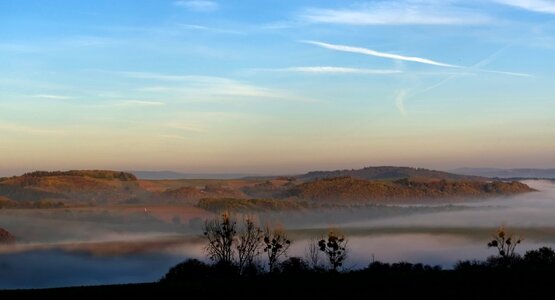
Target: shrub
{"points": [[294, 265], [189, 269]]}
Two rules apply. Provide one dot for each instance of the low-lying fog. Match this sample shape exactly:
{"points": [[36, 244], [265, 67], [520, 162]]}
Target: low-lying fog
{"points": [[66, 247]]}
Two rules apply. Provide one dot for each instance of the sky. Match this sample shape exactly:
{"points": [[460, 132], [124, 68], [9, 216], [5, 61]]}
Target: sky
{"points": [[267, 87]]}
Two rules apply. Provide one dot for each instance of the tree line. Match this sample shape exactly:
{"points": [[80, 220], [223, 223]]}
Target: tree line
{"points": [[235, 248]]}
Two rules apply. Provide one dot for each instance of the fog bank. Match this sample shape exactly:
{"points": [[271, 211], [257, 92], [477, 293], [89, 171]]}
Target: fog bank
{"points": [[65, 247]]}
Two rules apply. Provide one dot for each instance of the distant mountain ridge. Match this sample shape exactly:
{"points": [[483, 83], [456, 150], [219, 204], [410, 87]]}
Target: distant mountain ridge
{"points": [[387, 172], [507, 173]]}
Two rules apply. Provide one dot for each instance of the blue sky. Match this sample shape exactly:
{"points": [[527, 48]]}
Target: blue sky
{"points": [[276, 86]]}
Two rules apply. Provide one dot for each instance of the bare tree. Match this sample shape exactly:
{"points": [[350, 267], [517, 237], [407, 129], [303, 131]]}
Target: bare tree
{"points": [[335, 248], [249, 243], [312, 254], [505, 243], [230, 244], [220, 233], [276, 245]]}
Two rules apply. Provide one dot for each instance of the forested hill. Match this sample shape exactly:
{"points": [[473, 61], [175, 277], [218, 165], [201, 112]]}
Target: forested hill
{"points": [[98, 174], [388, 173], [99, 186], [348, 189]]}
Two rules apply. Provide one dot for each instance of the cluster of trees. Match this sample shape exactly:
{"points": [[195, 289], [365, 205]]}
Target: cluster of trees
{"points": [[100, 174], [236, 248], [505, 243]]}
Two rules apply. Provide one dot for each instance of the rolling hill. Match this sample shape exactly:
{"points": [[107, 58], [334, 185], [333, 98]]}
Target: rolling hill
{"points": [[349, 189], [388, 173], [368, 185], [98, 186]]}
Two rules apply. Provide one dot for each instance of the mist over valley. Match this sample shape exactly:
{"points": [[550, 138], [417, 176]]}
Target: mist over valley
{"points": [[113, 240]]}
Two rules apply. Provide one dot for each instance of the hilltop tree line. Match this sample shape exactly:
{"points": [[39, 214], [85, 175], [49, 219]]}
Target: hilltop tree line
{"points": [[99, 174]]}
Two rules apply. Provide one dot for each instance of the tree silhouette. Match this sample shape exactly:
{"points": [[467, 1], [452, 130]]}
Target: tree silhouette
{"points": [[220, 233], [312, 254], [238, 246], [276, 245], [335, 248], [505, 243], [249, 243]]}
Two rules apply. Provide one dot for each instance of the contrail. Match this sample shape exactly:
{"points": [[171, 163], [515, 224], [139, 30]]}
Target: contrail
{"points": [[476, 67], [403, 95], [339, 70], [366, 51], [505, 73], [371, 52]]}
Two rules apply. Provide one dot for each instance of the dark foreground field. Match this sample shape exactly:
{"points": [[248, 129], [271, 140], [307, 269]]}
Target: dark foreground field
{"points": [[355, 285]]}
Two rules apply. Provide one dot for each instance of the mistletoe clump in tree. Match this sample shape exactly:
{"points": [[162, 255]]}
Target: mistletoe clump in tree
{"points": [[236, 246], [276, 244], [505, 243], [220, 234], [335, 248]]}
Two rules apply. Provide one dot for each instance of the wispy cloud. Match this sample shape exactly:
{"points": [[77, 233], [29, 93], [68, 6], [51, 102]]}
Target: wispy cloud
{"points": [[337, 70], [210, 29], [140, 103], [89, 41], [61, 44], [19, 48], [25, 129], [206, 87], [400, 101], [188, 126], [211, 85], [168, 77], [541, 6], [280, 25], [51, 97], [396, 13], [113, 103], [173, 136], [197, 5], [370, 52]]}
